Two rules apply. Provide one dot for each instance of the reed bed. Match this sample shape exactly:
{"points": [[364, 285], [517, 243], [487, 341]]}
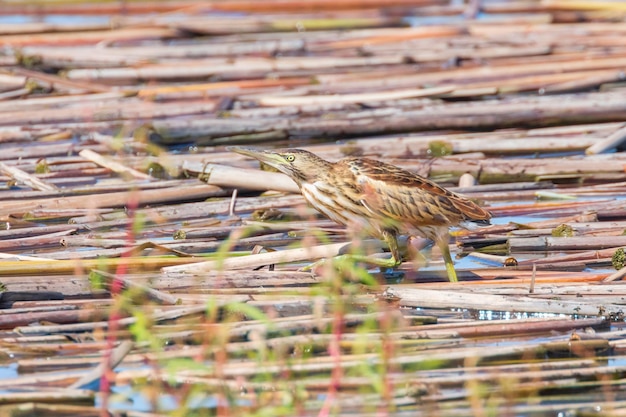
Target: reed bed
{"points": [[145, 270]]}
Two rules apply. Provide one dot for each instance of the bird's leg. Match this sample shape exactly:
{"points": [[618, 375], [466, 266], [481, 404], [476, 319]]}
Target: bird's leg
{"points": [[391, 240], [445, 250]]}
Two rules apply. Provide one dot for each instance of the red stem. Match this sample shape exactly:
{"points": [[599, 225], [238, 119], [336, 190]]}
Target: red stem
{"points": [[115, 315]]}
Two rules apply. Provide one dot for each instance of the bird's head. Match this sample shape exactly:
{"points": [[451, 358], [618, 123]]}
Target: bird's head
{"points": [[302, 166]]}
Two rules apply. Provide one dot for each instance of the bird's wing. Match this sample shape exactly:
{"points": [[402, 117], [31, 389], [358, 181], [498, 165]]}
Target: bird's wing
{"points": [[393, 193]]}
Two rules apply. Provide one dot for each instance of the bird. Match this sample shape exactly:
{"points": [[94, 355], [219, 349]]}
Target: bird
{"points": [[386, 201]]}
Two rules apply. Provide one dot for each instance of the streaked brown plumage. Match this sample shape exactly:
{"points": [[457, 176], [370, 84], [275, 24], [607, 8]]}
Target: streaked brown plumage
{"points": [[383, 199]]}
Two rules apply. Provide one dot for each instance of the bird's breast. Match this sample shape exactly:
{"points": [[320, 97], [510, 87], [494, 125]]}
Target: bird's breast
{"points": [[331, 202]]}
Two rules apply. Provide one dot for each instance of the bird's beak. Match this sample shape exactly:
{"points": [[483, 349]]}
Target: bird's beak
{"points": [[267, 157]]}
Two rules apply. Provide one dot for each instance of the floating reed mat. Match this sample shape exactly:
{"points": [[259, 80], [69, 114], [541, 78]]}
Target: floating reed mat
{"points": [[139, 257]]}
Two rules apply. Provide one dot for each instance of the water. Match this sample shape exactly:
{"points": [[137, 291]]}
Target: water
{"points": [[129, 397], [124, 398], [8, 372], [67, 20]]}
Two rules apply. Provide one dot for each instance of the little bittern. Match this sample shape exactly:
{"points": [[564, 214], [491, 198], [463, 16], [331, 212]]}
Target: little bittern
{"points": [[383, 199]]}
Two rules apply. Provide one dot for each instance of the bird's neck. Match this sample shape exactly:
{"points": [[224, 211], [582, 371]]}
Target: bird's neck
{"points": [[320, 171]]}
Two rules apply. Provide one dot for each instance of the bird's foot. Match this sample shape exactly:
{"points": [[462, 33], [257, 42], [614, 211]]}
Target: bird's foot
{"points": [[341, 261]]}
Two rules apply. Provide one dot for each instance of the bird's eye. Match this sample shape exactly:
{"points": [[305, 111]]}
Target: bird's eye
{"points": [[290, 158]]}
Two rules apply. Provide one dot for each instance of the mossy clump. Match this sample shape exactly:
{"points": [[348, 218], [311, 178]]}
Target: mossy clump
{"points": [[42, 167], [351, 149], [157, 170], [180, 235], [28, 60], [268, 168], [438, 148], [267, 214], [618, 259], [563, 230]]}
